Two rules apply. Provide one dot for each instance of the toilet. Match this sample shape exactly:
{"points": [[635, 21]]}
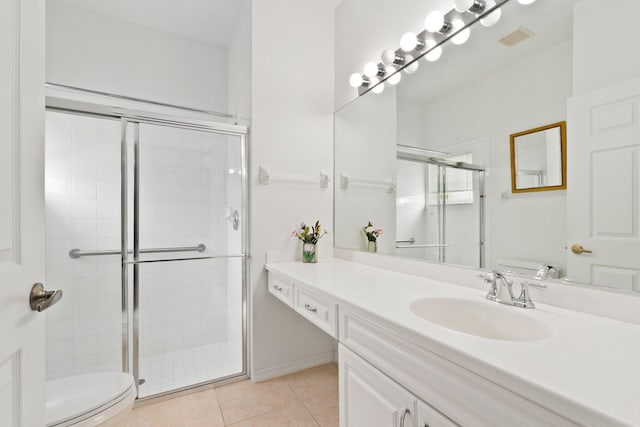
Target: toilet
{"points": [[89, 400], [521, 266]]}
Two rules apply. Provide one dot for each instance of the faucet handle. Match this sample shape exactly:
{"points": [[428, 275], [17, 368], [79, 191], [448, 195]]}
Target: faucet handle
{"points": [[524, 300]]}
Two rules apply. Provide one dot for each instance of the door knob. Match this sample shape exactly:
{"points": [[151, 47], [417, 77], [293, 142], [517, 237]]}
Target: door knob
{"points": [[578, 249], [40, 300]]}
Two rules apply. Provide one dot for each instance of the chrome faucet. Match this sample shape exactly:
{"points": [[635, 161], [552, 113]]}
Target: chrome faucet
{"points": [[501, 289], [546, 271]]}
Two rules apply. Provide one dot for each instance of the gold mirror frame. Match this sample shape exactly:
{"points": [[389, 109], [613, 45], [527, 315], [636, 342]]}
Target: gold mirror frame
{"points": [[563, 153]]}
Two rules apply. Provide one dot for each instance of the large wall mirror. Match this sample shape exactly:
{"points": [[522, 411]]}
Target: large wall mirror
{"points": [[429, 160]]}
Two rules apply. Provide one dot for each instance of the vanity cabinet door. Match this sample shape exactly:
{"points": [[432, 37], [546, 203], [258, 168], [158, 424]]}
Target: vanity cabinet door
{"points": [[426, 416], [369, 398]]}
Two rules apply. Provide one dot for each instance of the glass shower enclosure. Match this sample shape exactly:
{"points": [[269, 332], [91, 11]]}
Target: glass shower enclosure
{"points": [[147, 237]]}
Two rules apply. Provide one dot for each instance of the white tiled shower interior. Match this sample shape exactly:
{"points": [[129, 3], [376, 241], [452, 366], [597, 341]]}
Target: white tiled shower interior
{"points": [[190, 313]]}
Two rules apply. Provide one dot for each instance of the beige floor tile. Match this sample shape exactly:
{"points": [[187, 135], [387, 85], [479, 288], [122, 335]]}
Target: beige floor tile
{"points": [[314, 381], [324, 408], [244, 400], [295, 415], [196, 410]]}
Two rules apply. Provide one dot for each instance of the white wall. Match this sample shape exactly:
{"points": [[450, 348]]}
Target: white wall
{"points": [[603, 57], [292, 133], [94, 51], [239, 67], [365, 133]]}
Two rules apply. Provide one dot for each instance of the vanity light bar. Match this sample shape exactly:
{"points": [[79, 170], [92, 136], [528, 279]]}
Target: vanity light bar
{"points": [[439, 28]]}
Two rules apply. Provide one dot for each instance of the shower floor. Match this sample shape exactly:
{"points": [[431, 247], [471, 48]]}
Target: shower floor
{"points": [[186, 367]]}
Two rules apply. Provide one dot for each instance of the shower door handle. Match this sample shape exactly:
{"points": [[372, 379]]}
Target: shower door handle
{"points": [[40, 299]]}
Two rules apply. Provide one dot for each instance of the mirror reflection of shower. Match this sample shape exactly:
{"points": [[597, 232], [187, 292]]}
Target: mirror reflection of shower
{"points": [[439, 207]]}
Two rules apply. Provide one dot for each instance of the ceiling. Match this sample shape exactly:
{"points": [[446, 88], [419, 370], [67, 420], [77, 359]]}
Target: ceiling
{"points": [[208, 21]]}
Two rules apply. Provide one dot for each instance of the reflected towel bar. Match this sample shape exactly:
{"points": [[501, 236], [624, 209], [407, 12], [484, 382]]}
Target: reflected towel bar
{"points": [[77, 253], [421, 246]]}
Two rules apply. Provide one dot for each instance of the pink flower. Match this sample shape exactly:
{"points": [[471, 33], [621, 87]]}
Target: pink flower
{"points": [[294, 232], [378, 231]]}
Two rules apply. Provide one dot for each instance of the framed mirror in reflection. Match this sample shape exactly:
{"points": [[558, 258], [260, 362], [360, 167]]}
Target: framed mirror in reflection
{"points": [[440, 137], [539, 158]]}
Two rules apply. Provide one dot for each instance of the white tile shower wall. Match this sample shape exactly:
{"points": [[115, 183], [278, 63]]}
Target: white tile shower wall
{"points": [[183, 198]]}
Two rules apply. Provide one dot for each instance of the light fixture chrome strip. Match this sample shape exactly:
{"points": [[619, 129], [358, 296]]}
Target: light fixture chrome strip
{"points": [[130, 98]]}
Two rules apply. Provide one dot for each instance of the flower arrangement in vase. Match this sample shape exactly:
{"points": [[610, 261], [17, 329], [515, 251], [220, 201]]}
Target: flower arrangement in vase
{"points": [[309, 237], [372, 235]]}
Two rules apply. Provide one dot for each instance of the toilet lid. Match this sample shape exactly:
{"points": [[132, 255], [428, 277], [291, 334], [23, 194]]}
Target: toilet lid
{"points": [[72, 397]]}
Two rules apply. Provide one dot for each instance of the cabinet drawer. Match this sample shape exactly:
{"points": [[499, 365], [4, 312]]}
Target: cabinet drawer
{"points": [[281, 289], [316, 309]]}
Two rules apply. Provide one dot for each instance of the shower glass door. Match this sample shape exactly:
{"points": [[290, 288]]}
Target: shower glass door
{"points": [[186, 220]]}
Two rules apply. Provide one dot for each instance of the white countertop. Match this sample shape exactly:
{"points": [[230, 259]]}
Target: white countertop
{"points": [[590, 365]]}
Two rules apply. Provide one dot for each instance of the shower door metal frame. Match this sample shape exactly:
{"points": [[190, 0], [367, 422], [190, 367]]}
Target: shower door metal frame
{"points": [[136, 118], [135, 262], [443, 163]]}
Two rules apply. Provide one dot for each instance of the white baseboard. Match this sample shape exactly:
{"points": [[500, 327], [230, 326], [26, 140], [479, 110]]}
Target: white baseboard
{"points": [[260, 375]]}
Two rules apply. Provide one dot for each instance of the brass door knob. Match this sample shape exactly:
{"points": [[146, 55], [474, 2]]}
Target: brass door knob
{"points": [[578, 249]]}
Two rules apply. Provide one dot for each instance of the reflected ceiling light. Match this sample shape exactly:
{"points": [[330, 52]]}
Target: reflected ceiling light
{"points": [[356, 80], [371, 69], [434, 54], [526, 1], [493, 17], [389, 70], [410, 42], [463, 35], [389, 57], [435, 23], [376, 89], [411, 68], [472, 6]]}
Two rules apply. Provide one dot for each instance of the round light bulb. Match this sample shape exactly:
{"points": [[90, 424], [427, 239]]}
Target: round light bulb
{"points": [[411, 68], [371, 69], [434, 21], [378, 89], [463, 35], [435, 54], [388, 56], [408, 42], [463, 5], [493, 17], [526, 1], [395, 78], [356, 80]]}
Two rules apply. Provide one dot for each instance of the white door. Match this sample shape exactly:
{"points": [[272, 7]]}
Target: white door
{"points": [[369, 398], [603, 186], [22, 362]]}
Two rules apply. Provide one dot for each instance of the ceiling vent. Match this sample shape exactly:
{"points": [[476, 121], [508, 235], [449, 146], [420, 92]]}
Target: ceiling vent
{"points": [[516, 36]]}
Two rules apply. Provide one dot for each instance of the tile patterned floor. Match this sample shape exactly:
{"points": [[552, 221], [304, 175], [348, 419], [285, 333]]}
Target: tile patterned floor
{"points": [[306, 398]]}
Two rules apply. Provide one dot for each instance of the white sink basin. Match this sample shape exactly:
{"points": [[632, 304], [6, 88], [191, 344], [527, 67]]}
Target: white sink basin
{"points": [[481, 318]]}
